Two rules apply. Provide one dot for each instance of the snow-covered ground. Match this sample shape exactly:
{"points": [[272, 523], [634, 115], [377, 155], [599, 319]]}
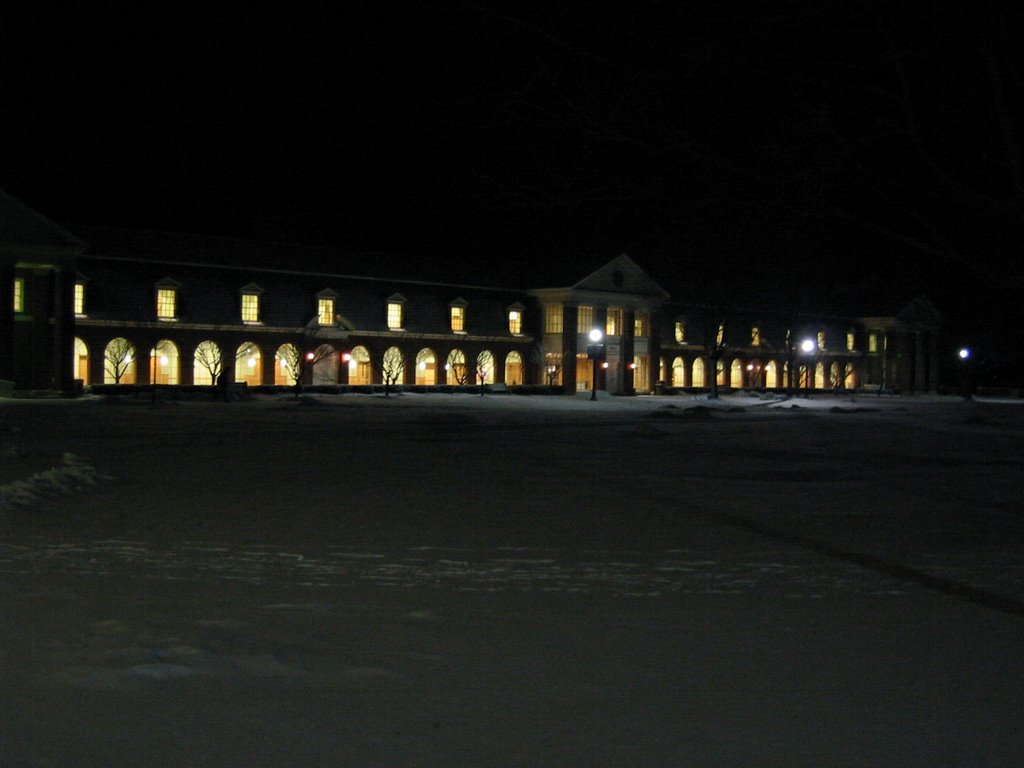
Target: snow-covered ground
{"points": [[450, 580]]}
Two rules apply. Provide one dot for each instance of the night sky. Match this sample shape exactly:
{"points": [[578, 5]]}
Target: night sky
{"points": [[840, 153]]}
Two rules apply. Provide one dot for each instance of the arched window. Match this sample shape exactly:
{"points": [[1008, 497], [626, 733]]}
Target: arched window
{"points": [[678, 372], [119, 362], [207, 363], [456, 368], [849, 377], [392, 366], [286, 365], [771, 375], [485, 367], [819, 376], [736, 374], [513, 369], [699, 378], [80, 368], [325, 366], [164, 365], [249, 364], [359, 371], [426, 368]]}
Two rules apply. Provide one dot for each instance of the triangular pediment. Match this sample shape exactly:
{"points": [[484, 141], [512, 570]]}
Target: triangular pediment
{"points": [[621, 275], [920, 313]]}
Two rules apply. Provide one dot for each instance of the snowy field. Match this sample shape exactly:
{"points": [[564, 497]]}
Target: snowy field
{"points": [[450, 580]]}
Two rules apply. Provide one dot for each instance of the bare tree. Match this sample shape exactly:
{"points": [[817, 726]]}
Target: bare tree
{"points": [[302, 357], [210, 356], [392, 368], [119, 357]]}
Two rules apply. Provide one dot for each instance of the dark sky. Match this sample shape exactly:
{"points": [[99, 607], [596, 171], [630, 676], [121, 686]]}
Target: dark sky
{"points": [[833, 150]]}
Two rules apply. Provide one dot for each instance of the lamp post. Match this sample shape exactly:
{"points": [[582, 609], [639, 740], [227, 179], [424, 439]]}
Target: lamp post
{"points": [[595, 351], [807, 347], [964, 353]]}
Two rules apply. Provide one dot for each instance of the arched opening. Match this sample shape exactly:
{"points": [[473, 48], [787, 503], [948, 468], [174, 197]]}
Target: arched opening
{"points": [[249, 364], [720, 372], [736, 374], [771, 375], [286, 365], [850, 377], [426, 368], [819, 376], [359, 371], [584, 373], [678, 372], [485, 367], [119, 362], [835, 379], [80, 364], [513, 369], [455, 368], [699, 373], [325, 367], [392, 366], [164, 365], [207, 363]]}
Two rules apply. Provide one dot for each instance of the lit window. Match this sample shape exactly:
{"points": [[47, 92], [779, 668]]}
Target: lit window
{"points": [[821, 339], [613, 322], [166, 303], [552, 318], [458, 319], [584, 319], [872, 342], [851, 341], [755, 337], [79, 298], [515, 321], [641, 324], [250, 307], [325, 311], [680, 332], [395, 315], [720, 336], [19, 294]]}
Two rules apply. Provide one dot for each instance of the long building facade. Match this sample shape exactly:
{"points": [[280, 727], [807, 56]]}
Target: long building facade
{"points": [[143, 308]]}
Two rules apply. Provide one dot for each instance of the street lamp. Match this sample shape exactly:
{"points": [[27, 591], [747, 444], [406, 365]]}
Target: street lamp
{"points": [[595, 351], [964, 353], [807, 346]]}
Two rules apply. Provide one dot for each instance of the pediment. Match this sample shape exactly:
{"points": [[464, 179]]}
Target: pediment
{"points": [[621, 275], [920, 312]]}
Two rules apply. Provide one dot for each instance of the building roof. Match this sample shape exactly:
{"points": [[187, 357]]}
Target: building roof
{"points": [[24, 230]]}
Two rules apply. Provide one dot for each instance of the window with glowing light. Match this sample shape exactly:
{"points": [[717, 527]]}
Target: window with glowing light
{"points": [[699, 373], [119, 362], [680, 332], [163, 362], [458, 319], [19, 294], [455, 367], [80, 299], [207, 363], [166, 303], [613, 322], [485, 367], [325, 311], [584, 319], [513, 369], [755, 337], [720, 336], [552, 318], [678, 372], [515, 322], [250, 307], [359, 371], [821, 340], [249, 364], [81, 361], [851, 341], [395, 319], [872, 342], [641, 324], [426, 368]]}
